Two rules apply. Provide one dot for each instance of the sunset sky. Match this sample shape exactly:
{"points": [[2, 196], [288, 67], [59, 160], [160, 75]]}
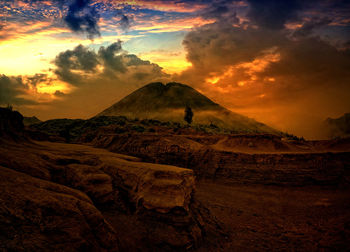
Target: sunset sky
{"points": [[284, 63]]}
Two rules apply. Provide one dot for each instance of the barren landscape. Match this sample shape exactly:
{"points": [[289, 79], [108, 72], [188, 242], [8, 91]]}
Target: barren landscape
{"points": [[272, 195], [174, 125]]}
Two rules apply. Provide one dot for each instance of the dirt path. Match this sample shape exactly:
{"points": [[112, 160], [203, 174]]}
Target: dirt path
{"points": [[271, 218]]}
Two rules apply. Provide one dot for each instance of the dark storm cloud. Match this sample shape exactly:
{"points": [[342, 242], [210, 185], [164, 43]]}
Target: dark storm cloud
{"points": [[347, 44], [11, 88], [215, 45], [221, 11], [112, 60], [124, 22], [309, 26], [80, 58], [82, 64], [259, 66], [82, 17], [273, 14], [313, 59]]}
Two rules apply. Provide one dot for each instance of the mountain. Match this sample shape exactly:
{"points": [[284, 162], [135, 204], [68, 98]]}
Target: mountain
{"points": [[168, 103], [30, 120], [338, 127]]}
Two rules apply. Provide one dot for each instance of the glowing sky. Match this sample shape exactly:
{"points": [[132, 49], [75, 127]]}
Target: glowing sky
{"points": [[285, 63]]}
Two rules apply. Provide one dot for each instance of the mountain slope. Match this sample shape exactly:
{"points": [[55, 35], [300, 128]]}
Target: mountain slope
{"points": [[168, 102], [30, 120], [338, 127]]}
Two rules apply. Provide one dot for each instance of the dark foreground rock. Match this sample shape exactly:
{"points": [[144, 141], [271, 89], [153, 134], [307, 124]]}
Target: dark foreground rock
{"points": [[38, 215], [11, 125], [55, 196], [70, 184]]}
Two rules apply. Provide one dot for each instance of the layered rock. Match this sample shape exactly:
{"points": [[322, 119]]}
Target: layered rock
{"points": [[215, 161], [51, 192], [38, 215], [161, 197]]}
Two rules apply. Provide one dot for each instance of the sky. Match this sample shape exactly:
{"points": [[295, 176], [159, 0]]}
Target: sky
{"points": [[284, 63]]}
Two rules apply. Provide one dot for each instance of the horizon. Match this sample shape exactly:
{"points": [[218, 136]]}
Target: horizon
{"points": [[282, 63]]}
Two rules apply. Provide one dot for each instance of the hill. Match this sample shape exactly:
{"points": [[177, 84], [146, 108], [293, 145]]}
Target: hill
{"points": [[338, 127], [30, 120], [168, 102]]}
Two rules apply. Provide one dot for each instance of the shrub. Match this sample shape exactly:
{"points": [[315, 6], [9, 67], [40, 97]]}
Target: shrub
{"points": [[137, 128], [188, 115]]}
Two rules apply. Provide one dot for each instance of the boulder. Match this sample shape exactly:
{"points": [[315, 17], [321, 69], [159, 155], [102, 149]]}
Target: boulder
{"points": [[38, 215]]}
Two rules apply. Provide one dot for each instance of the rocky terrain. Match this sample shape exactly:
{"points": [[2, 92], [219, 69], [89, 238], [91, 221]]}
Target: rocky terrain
{"points": [[57, 196], [115, 184], [258, 159], [210, 153]]}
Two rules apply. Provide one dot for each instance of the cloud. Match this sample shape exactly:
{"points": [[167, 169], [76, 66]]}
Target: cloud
{"points": [[215, 45], [36, 79], [82, 64], [273, 14], [124, 22], [83, 17], [182, 6], [80, 58], [111, 59], [96, 80], [308, 27], [11, 90], [59, 93], [222, 10], [291, 84]]}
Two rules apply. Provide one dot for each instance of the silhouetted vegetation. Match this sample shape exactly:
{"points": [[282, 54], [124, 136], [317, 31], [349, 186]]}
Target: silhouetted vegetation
{"points": [[188, 115], [78, 130], [293, 137]]}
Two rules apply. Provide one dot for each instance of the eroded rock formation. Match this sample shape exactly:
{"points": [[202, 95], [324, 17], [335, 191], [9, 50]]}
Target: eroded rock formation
{"points": [[56, 196], [38, 215], [234, 159]]}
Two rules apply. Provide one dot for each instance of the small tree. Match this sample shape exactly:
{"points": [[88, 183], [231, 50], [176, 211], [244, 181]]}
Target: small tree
{"points": [[188, 115]]}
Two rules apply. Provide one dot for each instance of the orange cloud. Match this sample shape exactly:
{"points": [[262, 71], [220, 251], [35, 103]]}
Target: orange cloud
{"points": [[167, 6], [250, 70], [155, 26]]}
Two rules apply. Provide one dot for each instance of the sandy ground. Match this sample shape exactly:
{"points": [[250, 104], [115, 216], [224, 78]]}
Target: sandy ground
{"points": [[274, 218]]}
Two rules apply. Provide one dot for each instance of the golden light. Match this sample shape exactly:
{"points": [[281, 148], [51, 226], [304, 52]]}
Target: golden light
{"points": [[53, 87], [25, 53], [213, 80], [250, 69], [171, 62]]}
